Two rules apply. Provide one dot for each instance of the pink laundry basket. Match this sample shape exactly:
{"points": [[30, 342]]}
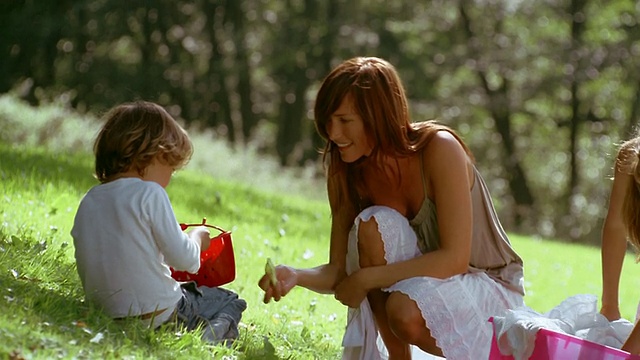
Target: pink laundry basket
{"points": [[551, 345]]}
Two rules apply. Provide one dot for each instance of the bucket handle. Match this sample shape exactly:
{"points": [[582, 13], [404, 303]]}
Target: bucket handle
{"points": [[204, 223]]}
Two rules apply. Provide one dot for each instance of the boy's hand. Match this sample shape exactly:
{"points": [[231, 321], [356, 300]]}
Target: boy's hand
{"points": [[201, 235]]}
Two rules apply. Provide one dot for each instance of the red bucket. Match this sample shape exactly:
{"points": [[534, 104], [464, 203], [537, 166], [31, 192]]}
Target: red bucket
{"points": [[217, 263]]}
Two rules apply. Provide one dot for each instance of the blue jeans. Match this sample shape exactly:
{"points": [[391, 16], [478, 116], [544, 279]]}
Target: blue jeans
{"points": [[216, 310]]}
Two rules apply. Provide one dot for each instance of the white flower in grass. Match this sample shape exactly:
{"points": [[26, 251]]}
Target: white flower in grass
{"points": [[96, 339]]}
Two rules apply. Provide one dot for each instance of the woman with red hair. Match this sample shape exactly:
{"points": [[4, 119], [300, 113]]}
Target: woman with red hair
{"points": [[417, 252]]}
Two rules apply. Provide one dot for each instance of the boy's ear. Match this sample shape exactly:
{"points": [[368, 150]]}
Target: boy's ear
{"points": [[163, 158]]}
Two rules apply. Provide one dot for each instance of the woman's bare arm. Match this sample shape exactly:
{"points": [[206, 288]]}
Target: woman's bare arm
{"points": [[448, 165], [614, 246], [321, 279]]}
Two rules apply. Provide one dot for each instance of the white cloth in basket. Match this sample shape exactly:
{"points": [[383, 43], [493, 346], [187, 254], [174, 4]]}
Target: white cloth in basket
{"points": [[577, 315]]}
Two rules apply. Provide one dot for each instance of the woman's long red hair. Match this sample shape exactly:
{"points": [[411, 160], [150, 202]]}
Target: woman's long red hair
{"points": [[379, 98]]}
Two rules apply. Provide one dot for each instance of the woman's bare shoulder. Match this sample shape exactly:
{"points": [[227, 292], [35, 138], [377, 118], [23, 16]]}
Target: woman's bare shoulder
{"points": [[444, 145], [445, 158]]}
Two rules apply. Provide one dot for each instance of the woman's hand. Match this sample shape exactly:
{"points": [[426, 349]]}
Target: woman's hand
{"points": [[351, 291], [610, 312], [287, 279]]}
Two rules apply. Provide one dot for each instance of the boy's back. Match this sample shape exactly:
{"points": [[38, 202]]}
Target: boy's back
{"points": [[126, 235], [120, 232]]}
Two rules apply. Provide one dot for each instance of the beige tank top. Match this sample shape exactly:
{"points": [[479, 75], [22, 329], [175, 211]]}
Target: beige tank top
{"points": [[491, 250]]}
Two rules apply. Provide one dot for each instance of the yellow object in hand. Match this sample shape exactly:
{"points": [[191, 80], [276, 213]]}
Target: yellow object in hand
{"points": [[270, 270]]}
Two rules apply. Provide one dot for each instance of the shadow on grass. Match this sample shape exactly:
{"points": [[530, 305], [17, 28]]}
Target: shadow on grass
{"points": [[62, 314], [73, 170], [41, 294], [42, 310]]}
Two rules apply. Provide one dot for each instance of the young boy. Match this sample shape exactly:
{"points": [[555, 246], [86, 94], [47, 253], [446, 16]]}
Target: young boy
{"points": [[126, 235]]}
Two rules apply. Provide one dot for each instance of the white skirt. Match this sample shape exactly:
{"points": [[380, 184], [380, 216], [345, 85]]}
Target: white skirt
{"points": [[456, 310]]}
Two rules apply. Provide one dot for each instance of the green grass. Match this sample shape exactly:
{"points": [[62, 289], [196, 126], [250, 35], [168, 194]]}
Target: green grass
{"points": [[42, 313], [41, 298], [555, 270]]}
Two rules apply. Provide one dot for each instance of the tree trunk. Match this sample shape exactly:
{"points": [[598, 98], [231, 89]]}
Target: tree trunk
{"points": [[323, 60], [631, 129], [218, 103], [294, 82], [498, 106], [242, 68], [577, 27]]}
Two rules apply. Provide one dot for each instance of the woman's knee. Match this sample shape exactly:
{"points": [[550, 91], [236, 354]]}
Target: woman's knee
{"points": [[370, 243], [371, 238], [405, 318]]}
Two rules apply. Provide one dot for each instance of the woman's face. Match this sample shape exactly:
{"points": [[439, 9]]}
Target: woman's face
{"points": [[346, 130]]}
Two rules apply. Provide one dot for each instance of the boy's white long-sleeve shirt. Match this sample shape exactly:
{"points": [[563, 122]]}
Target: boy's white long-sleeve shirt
{"points": [[126, 236]]}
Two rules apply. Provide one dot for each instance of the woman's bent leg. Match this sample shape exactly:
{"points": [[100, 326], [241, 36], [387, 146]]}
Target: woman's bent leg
{"points": [[371, 250], [385, 236], [406, 322], [455, 311]]}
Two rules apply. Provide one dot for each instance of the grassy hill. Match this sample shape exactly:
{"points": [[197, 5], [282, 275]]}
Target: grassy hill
{"points": [[45, 168]]}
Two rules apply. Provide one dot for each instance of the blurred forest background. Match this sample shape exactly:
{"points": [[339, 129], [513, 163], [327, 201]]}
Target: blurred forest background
{"points": [[543, 90]]}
